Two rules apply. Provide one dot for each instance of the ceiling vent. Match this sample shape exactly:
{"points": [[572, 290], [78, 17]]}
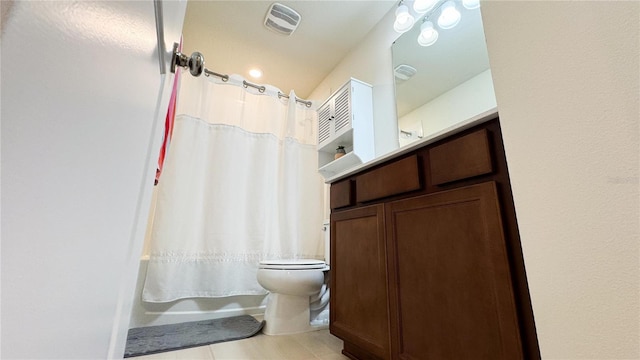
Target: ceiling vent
{"points": [[404, 72], [282, 19]]}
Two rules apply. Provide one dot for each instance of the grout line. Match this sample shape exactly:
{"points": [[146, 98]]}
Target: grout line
{"points": [[213, 356]]}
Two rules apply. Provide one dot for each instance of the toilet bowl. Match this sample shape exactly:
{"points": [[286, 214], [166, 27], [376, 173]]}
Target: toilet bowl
{"points": [[292, 286]]}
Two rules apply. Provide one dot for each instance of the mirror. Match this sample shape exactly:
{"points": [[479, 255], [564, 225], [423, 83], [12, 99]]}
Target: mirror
{"points": [[452, 82]]}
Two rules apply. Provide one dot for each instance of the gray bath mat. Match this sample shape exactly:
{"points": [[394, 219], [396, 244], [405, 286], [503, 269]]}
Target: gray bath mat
{"points": [[156, 339]]}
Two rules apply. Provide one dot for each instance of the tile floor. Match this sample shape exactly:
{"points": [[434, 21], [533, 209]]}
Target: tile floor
{"points": [[315, 345]]}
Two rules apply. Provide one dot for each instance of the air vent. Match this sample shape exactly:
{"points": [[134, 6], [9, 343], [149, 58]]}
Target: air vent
{"points": [[282, 19], [404, 72]]}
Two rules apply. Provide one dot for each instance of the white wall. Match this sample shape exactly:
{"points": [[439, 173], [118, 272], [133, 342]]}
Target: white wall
{"points": [[371, 62], [474, 96], [79, 143], [566, 77]]}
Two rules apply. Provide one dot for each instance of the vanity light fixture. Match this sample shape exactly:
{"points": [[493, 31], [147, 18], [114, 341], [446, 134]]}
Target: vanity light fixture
{"points": [[404, 19], [471, 4], [428, 35], [422, 6], [449, 17]]}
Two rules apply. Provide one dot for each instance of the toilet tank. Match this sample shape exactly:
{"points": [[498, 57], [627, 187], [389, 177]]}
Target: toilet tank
{"points": [[326, 228]]}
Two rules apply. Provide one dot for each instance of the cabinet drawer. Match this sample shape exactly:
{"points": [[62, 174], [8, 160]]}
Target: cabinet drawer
{"points": [[461, 158], [393, 179], [340, 194]]}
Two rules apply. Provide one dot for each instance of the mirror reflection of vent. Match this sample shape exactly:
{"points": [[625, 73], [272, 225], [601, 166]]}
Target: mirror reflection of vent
{"points": [[404, 72], [282, 19]]}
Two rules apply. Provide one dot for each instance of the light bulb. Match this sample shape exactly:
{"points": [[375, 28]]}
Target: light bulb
{"points": [[255, 73], [471, 4], [404, 20], [428, 35], [422, 6], [450, 16]]}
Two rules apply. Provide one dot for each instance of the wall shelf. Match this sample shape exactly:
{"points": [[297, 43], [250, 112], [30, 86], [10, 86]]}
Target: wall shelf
{"points": [[336, 166], [346, 119]]}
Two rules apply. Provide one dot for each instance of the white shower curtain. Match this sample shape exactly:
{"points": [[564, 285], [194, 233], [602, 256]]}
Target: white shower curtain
{"points": [[240, 185]]}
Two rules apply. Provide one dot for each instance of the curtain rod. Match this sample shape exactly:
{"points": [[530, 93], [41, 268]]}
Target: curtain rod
{"points": [[195, 64], [260, 88]]}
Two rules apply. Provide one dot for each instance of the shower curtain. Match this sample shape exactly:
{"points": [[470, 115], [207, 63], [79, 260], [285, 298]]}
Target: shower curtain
{"points": [[240, 184]]}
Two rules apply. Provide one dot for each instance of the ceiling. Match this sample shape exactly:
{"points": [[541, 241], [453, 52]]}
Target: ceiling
{"points": [[233, 39]]}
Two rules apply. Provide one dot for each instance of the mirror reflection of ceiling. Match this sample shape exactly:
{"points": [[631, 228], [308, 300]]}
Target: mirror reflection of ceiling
{"points": [[458, 55], [233, 39]]}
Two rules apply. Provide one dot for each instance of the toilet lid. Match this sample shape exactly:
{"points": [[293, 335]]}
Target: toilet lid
{"points": [[293, 264]]}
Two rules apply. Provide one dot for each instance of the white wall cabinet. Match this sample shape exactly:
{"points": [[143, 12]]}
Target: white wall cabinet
{"points": [[346, 119]]}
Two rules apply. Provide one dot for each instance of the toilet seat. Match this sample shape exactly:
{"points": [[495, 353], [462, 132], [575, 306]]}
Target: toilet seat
{"points": [[293, 264]]}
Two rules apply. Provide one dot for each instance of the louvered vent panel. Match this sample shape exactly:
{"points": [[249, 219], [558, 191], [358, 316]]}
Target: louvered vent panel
{"points": [[342, 110], [324, 130]]}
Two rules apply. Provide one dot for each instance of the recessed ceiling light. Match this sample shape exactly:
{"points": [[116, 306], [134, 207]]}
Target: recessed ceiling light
{"points": [[255, 73]]}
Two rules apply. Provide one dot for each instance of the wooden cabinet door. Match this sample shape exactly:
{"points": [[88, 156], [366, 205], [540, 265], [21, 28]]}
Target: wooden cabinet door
{"points": [[450, 288], [359, 306]]}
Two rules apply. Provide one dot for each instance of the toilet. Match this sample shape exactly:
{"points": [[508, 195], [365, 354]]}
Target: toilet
{"points": [[298, 299]]}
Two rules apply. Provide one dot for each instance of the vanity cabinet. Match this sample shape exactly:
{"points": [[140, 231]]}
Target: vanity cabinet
{"points": [[346, 119], [361, 318], [426, 257], [450, 285]]}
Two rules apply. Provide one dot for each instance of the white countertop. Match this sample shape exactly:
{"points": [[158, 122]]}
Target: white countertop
{"points": [[461, 126]]}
